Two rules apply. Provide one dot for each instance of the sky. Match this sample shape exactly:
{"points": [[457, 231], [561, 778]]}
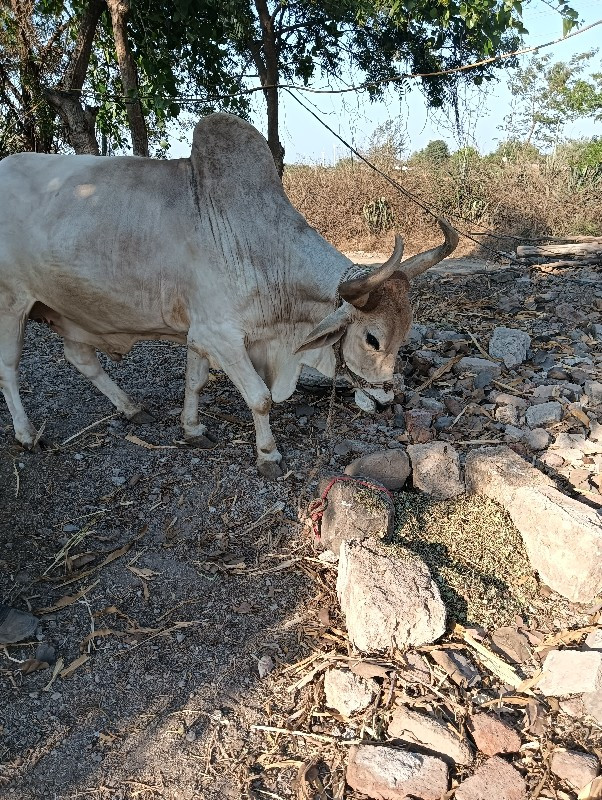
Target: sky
{"points": [[354, 117]]}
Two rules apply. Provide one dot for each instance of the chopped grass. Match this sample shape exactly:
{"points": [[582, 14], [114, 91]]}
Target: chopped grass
{"points": [[474, 552]]}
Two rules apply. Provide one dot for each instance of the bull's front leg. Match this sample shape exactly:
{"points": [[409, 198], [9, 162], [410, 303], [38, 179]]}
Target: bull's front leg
{"points": [[237, 365]]}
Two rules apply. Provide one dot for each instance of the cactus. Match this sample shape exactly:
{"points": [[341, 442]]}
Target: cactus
{"points": [[378, 215]]}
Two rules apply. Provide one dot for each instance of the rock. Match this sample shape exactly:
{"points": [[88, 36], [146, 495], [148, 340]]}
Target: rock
{"points": [[508, 414], [386, 774], [492, 736], [391, 468], [388, 599], [512, 644], [563, 539], [537, 439], [427, 732], [592, 705], [415, 669], [595, 431], [571, 672], [577, 769], [513, 434], [354, 512], [348, 693], [497, 473], [416, 335], [493, 779], [436, 469], [510, 345], [418, 425], [543, 414], [477, 365], [593, 389], [504, 399], [593, 641]]}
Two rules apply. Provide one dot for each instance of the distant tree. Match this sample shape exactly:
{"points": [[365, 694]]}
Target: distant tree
{"points": [[434, 154], [547, 96], [386, 143], [514, 150]]}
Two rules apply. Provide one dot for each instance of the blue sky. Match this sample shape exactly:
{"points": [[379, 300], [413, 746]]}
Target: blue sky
{"points": [[355, 118]]}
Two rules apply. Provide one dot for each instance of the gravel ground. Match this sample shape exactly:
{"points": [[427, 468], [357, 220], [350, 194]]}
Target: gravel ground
{"points": [[193, 571]]}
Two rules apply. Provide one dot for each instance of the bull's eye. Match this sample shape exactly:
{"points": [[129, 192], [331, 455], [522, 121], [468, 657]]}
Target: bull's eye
{"points": [[372, 341]]}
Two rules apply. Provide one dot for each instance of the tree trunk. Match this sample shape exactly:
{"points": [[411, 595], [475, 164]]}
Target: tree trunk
{"points": [[269, 75], [119, 10], [79, 119]]}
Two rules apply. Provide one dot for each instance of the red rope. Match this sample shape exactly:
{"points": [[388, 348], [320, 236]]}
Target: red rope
{"points": [[316, 509]]}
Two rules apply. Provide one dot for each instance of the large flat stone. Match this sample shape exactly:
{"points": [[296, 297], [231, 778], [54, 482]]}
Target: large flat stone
{"points": [[388, 598], [497, 473], [383, 773], [563, 539]]}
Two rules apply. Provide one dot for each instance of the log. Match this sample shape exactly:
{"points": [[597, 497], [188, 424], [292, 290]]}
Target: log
{"points": [[553, 264], [578, 249]]}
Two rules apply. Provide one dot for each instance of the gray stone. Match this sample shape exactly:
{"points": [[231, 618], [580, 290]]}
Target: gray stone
{"points": [[476, 365], [497, 473], [383, 773], [416, 335], [593, 389], [571, 672], [459, 669], [388, 598], [543, 414], [563, 539], [595, 431], [504, 399], [537, 439], [493, 779], [347, 692], [354, 512], [577, 769], [391, 468], [429, 733], [436, 469], [592, 705], [510, 345], [513, 434]]}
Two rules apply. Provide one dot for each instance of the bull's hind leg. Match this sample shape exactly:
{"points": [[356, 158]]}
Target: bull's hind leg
{"points": [[197, 374], [83, 357], [12, 329]]}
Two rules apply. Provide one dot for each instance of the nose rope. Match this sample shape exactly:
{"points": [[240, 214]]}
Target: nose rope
{"points": [[317, 507]]}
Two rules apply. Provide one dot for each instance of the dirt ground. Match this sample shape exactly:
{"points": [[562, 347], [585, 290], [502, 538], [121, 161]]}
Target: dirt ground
{"points": [[192, 575]]}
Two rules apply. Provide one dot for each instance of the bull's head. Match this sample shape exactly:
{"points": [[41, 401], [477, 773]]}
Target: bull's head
{"points": [[375, 317]]}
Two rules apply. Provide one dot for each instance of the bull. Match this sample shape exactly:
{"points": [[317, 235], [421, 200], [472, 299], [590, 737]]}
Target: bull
{"points": [[205, 251]]}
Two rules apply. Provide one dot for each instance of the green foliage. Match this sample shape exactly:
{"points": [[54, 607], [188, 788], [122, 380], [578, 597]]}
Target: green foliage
{"points": [[436, 154], [378, 215], [513, 151], [548, 95], [584, 160]]}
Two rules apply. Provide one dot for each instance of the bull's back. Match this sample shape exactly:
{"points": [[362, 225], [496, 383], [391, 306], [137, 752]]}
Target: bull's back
{"points": [[76, 229]]}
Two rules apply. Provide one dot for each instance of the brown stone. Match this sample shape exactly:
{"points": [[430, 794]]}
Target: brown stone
{"points": [[577, 769], [391, 468], [383, 773], [493, 779], [492, 736], [436, 469]]}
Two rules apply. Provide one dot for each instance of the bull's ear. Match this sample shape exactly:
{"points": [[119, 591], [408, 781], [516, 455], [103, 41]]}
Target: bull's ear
{"points": [[329, 331]]}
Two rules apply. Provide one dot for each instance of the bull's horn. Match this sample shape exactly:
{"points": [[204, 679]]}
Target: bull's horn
{"points": [[357, 290], [423, 261]]}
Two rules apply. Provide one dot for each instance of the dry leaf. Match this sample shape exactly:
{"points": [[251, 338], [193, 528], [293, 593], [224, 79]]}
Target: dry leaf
{"points": [[564, 637], [94, 635], [243, 608], [536, 718], [147, 445], [576, 412], [57, 668], [494, 663], [74, 665], [32, 665], [367, 670], [66, 600], [143, 572]]}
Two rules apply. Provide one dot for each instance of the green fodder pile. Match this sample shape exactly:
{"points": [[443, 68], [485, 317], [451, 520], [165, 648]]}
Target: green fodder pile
{"points": [[356, 209], [474, 552]]}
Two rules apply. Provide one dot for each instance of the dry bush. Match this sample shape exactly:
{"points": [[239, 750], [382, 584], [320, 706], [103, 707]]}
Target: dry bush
{"points": [[477, 194]]}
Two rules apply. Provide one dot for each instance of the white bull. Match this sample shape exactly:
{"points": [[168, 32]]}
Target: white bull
{"points": [[206, 251]]}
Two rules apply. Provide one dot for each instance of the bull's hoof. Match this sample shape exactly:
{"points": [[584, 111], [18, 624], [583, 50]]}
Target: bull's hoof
{"points": [[271, 469], [38, 446], [202, 441], [142, 418]]}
